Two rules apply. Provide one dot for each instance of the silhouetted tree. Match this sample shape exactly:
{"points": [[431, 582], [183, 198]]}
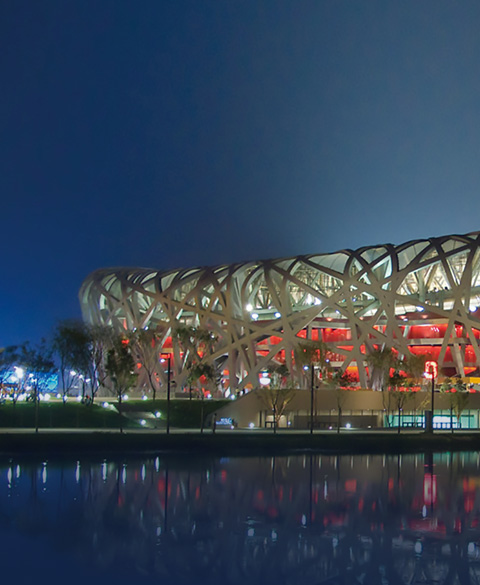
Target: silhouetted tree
{"points": [[120, 367]]}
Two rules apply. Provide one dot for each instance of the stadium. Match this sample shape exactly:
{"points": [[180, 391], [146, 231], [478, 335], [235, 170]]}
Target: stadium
{"points": [[421, 297]]}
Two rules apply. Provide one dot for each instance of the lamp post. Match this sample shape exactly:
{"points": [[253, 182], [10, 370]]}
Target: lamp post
{"points": [[431, 371], [168, 357], [312, 390]]}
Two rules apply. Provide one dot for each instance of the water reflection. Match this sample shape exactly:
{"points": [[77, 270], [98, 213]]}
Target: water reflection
{"points": [[303, 519]]}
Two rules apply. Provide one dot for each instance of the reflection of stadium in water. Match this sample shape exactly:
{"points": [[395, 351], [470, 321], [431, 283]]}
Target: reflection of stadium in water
{"points": [[298, 519]]}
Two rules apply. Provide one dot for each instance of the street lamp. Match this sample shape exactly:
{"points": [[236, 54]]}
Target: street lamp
{"points": [[168, 357], [312, 390], [431, 372]]}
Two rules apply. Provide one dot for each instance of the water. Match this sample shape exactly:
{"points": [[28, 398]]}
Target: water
{"points": [[285, 520]]}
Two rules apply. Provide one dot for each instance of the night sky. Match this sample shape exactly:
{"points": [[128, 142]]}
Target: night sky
{"points": [[179, 133]]}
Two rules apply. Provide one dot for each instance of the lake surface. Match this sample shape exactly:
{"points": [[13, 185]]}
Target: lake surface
{"points": [[305, 519]]}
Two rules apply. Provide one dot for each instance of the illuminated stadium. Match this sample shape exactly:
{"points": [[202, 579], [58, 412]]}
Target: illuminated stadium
{"points": [[421, 297]]}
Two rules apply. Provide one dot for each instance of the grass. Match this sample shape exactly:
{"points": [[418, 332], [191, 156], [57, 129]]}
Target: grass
{"points": [[184, 414], [57, 415]]}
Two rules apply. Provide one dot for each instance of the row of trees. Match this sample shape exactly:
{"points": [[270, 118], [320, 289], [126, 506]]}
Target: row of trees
{"points": [[90, 358], [398, 378], [78, 354], [94, 357]]}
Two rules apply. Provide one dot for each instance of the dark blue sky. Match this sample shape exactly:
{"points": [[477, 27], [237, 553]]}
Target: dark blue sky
{"points": [[179, 133]]}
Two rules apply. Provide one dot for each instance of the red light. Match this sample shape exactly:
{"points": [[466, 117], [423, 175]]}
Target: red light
{"points": [[431, 370], [430, 489]]}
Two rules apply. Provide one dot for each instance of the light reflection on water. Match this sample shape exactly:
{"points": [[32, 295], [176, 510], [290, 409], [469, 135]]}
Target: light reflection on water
{"points": [[297, 519]]}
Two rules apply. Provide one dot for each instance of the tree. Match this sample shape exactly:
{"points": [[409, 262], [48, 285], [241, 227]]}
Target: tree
{"points": [[379, 362], [447, 389], [197, 344], [120, 367], [458, 398], [399, 397], [314, 353], [414, 367], [9, 358], [461, 399], [82, 349], [146, 349], [37, 363], [339, 381], [278, 394], [101, 339], [70, 344]]}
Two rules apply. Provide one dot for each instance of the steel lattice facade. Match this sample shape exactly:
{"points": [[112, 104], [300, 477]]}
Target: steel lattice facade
{"points": [[422, 296]]}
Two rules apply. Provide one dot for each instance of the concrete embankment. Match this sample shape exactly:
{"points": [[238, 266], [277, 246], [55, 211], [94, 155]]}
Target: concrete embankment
{"points": [[66, 442]]}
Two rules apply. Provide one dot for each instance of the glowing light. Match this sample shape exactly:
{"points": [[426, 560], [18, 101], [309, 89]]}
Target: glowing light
{"points": [[254, 316], [249, 307], [277, 315], [125, 397], [144, 397], [105, 405], [19, 372], [431, 370], [143, 422], [73, 373], [348, 426], [157, 414], [264, 380], [251, 425]]}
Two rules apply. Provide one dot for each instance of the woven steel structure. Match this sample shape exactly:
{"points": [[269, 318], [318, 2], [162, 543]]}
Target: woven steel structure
{"points": [[422, 296]]}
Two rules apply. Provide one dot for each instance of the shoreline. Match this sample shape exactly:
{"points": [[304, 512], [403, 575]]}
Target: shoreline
{"points": [[99, 442]]}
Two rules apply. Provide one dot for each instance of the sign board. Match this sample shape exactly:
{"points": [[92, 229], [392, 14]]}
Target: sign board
{"points": [[431, 370]]}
